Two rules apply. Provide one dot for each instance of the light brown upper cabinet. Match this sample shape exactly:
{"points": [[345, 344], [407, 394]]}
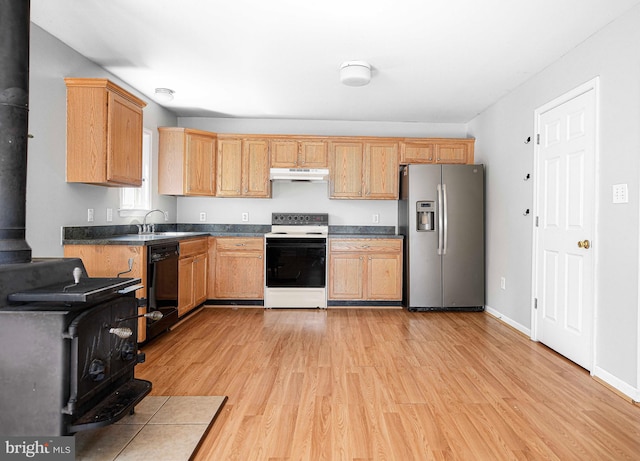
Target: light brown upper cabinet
{"points": [[242, 166], [298, 153], [104, 133], [436, 150], [186, 162], [364, 169]]}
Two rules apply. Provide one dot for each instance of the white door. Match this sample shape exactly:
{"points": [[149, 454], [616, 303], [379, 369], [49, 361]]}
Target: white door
{"points": [[565, 214]]}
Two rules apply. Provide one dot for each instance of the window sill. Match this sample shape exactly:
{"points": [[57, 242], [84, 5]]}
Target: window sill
{"points": [[131, 212]]}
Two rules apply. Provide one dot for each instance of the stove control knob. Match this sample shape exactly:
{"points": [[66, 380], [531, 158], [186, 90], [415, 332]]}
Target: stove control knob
{"points": [[127, 351], [96, 370]]}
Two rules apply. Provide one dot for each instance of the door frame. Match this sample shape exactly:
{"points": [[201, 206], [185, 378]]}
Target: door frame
{"points": [[591, 85]]}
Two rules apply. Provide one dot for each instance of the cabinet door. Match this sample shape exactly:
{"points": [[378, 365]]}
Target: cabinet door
{"points": [[199, 279], [381, 170], [239, 275], [284, 153], [451, 153], [417, 152], [384, 276], [229, 168], [200, 165], [186, 300], [346, 271], [313, 154], [124, 141], [255, 168], [346, 169]]}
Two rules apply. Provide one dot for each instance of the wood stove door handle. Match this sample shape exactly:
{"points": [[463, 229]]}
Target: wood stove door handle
{"points": [[126, 290]]}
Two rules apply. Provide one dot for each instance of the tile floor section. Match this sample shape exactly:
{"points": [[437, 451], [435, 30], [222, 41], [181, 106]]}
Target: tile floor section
{"points": [[162, 428]]}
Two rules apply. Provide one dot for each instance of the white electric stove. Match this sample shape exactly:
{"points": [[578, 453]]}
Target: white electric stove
{"points": [[296, 261]]}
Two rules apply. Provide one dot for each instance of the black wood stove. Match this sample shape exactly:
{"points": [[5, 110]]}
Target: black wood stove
{"points": [[68, 348], [68, 343]]}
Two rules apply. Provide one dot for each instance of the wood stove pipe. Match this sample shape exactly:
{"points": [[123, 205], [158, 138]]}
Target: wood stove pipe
{"points": [[14, 126]]}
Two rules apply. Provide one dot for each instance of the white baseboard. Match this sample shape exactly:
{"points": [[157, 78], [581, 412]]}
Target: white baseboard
{"points": [[617, 384], [508, 321]]}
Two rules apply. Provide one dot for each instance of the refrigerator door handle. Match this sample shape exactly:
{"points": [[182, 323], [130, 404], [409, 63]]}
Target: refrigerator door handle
{"points": [[440, 219], [445, 231]]}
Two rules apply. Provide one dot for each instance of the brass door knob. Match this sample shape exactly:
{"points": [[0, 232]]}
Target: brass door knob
{"points": [[584, 244]]}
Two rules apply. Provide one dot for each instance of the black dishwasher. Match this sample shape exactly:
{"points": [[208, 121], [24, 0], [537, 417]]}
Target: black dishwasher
{"points": [[162, 286]]}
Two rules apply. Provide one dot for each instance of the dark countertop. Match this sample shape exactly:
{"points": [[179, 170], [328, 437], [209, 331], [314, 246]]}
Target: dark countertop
{"points": [[126, 235]]}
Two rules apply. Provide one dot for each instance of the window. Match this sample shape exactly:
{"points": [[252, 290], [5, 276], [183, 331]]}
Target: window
{"points": [[136, 201]]}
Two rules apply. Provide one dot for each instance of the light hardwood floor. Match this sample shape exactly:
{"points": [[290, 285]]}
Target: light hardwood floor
{"points": [[372, 384]]}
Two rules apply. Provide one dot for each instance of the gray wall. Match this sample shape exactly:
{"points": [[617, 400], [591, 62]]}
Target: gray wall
{"points": [[612, 54], [51, 202]]}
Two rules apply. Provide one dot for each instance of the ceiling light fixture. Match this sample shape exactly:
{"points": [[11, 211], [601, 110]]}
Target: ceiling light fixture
{"points": [[164, 94], [355, 73]]}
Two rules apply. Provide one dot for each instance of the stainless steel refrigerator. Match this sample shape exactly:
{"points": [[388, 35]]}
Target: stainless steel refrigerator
{"points": [[441, 215]]}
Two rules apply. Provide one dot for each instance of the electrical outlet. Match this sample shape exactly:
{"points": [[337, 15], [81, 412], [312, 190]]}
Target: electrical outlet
{"points": [[90, 214], [109, 214], [376, 218], [245, 217], [203, 216], [166, 215], [503, 283]]}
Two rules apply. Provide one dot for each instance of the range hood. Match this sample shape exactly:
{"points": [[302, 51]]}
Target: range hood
{"points": [[299, 174]]}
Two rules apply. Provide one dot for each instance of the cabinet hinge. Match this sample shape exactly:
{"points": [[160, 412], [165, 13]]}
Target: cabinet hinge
{"points": [[538, 138], [537, 221], [535, 303]]}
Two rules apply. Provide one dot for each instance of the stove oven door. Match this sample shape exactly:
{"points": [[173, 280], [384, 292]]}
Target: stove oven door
{"points": [[296, 262]]}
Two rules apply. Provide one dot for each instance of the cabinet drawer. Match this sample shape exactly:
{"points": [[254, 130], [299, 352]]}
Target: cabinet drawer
{"points": [[239, 243], [193, 247], [365, 245]]}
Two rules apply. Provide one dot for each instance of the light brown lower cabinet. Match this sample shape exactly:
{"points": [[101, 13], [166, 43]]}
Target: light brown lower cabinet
{"points": [[192, 274], [365, 269], [236, 268]]}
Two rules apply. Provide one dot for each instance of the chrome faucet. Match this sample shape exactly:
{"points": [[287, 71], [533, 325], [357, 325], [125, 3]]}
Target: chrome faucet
{"points": [[147, 228]]}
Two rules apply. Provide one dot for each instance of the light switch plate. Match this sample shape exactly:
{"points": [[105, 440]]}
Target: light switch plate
{"points": [[620, 193]]}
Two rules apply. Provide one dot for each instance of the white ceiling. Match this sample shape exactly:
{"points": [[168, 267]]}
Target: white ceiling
{"points": [[433, 60]]}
